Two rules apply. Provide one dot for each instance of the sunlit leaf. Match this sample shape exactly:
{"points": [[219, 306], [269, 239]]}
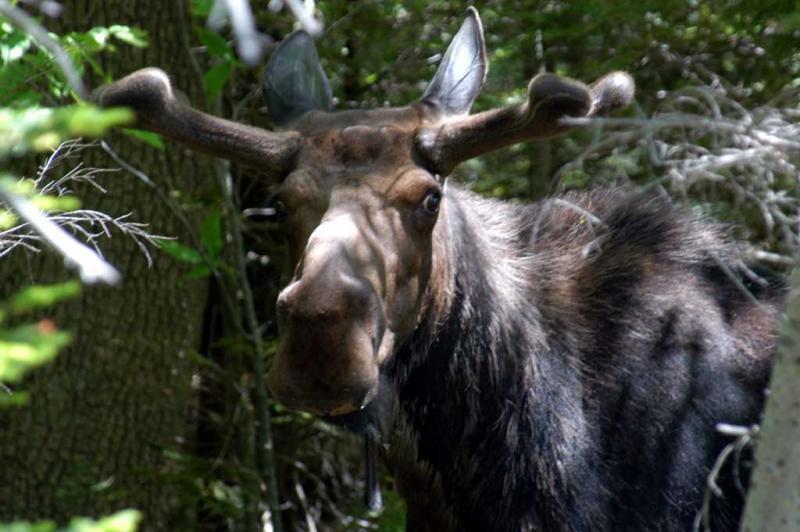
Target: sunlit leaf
{"points": [[42, 526], [124, 521], [40, 129], [91, 121], [99, 35], [13, 46], [26, 347], [50, 203], [41, 296], [129, 35], [7, 219]]}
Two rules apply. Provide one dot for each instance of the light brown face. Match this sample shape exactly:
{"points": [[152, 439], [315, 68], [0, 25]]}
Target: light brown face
{"points": [[359, 220]]}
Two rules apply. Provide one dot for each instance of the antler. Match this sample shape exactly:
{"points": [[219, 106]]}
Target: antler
{"points": [[550, 98], [149, 93]]}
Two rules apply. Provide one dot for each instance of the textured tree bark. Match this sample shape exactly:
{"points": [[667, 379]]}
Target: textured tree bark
{"points": [[774, 501], [93, 438]]}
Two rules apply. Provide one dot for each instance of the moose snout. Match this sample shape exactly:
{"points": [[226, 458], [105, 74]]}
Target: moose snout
{"points": [[325, 380], [316, 398], [343, 297], [326, 362]]}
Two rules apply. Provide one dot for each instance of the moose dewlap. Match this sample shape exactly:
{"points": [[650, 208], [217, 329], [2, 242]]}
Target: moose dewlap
{"points": [[554, 366]]}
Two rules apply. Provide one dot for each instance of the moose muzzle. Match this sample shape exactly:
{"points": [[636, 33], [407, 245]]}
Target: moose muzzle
{"points": [[332, 324]]}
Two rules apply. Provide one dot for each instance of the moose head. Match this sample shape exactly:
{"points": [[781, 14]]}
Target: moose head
{"points": [[364, 196]]}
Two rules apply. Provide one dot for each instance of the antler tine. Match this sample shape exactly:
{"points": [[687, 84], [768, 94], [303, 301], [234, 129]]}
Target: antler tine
{"points": [[149, 93], [550, 98]]}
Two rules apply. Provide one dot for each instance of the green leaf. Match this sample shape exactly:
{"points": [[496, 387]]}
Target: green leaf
{"points": [[124, 521], [99, 37], [180, 252], [13, 46], [28, 346], [215, 43], [14, 399], [49, 203], [90, 121], [42, 296], [39, 129], [199, 271], [28, 72], [214, 80], [42, 526], [201, 8], [153, 139], [25, 187], [211, 233], [129, 35], [7, 219]]}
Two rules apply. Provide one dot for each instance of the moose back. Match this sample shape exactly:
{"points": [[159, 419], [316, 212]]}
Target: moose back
{"points": [[559, 366]]}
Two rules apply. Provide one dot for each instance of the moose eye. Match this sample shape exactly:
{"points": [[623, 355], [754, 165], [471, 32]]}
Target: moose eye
{"points": [[279, 210], [432, 201]]}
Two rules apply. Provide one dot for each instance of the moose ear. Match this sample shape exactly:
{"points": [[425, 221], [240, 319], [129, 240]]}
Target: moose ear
{"points": [[462, 70], [294, 81]]}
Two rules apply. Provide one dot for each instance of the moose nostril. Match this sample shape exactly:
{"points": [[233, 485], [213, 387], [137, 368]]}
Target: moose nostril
{"points": [[284, 303]]}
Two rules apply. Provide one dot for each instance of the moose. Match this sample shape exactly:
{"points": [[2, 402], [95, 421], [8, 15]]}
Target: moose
{"points": [[557, 366]]}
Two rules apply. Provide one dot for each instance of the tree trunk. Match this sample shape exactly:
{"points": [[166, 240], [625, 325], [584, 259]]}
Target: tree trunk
{"points": [[95, 435], [774, 501]]}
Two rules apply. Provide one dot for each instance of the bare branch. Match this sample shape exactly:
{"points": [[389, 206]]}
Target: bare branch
{"points": [[91, 267], [305, 17], [744, 437], [707, 146], [265, 451], [88, 225], [249, 41], [50, 8]]}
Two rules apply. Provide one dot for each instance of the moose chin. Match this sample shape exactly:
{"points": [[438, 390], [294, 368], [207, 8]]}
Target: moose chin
{"points": [[558, 366]]}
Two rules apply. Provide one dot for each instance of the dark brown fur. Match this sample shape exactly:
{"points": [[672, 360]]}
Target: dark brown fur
{"points": [[593, 407]]}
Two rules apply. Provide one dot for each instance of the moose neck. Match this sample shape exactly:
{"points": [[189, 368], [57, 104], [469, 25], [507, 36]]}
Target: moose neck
{"points": [[478, 297], [467, 381]]}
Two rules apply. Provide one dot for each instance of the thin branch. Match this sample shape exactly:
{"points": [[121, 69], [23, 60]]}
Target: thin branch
{"points": [[249, 41], [50, 8], [304, 17], [707, 146], [744, 438], [90, 266], [264, 441], [176, 210]]}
